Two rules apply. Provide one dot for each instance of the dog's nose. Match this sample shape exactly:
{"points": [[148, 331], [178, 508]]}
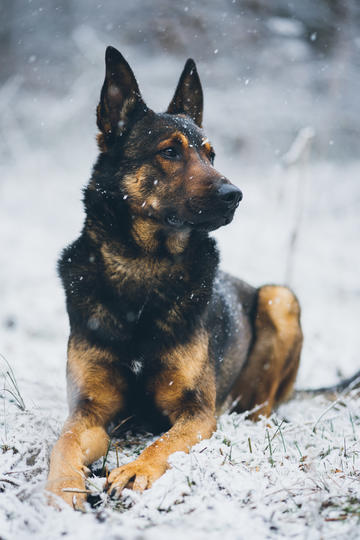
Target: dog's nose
{"points": [[229, 194]]}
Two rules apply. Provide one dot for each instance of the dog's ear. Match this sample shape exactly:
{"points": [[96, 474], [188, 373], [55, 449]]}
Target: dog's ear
{"points": [[188, 97], [120, 97]]}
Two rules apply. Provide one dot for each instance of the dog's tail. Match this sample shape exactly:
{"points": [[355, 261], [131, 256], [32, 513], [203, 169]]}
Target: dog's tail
{"points": [[332, 392]]}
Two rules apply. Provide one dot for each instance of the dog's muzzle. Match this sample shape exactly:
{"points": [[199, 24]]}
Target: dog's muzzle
{"points": [[209, 213], [229, 195]]}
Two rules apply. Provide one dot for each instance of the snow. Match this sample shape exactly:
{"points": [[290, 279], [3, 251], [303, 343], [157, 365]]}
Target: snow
{"points": [[293, 475], [286, 27]]}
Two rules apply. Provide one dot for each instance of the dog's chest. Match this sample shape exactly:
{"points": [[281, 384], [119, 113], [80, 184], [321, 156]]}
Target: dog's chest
{"points": [[140, 398]]}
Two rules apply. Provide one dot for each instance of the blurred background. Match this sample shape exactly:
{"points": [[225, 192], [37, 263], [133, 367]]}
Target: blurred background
{"points": [[282, 85], [273, 66]]}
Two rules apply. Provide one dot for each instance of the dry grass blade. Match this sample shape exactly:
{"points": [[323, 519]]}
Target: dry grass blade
{"points": [[14, 388], [75, 490], [121, 424]]}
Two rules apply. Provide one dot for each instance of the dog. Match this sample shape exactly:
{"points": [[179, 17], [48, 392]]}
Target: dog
{"points": [[157, 331]]}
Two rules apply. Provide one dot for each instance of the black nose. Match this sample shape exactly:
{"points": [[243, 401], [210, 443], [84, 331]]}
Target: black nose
{"points": [[229, 194]]}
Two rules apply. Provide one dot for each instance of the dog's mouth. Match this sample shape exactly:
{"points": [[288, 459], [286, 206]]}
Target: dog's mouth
{"points": [[213, 224], [174, 221], [200, 221]]}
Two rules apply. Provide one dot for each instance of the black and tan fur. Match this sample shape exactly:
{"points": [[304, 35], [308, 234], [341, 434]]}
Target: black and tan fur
{"points": [[157, 331]]}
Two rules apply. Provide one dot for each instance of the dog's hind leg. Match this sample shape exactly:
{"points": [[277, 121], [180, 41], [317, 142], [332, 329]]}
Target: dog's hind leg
{"points": [[95, 397], [270, 371]]}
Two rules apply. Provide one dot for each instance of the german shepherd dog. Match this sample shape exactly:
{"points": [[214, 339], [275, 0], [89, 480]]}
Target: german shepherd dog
{"points": [[156, 330]]}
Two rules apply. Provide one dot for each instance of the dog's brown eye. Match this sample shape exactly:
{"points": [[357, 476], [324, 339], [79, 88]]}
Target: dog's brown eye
{"points": [[212, 157], [170, 153]]}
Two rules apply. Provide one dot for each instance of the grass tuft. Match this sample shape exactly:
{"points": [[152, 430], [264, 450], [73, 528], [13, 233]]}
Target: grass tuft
{"points": [[11, 386]]}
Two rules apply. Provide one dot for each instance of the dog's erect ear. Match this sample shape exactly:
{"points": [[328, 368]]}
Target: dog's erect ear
{"points": [[188, 97], [120, 96]]}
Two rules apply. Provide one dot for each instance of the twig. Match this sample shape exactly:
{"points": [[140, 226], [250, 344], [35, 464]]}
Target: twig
{"points": [[9, 482], [121, 423], [334, 403], [297, 155]]}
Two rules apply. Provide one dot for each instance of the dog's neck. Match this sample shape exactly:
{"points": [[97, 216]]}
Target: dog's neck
{"points": [[143, 237], [152, 238], [140, 248], [106, 218]]}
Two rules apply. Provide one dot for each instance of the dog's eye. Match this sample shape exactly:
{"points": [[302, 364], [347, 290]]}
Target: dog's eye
{"points": [[212, 157], [170, 153]]}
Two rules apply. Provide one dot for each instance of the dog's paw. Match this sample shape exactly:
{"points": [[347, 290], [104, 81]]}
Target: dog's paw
{"points": [[138, 475], [71, 489]]}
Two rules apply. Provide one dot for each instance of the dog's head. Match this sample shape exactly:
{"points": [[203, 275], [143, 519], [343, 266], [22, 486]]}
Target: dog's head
{"points": [[163, 164]]}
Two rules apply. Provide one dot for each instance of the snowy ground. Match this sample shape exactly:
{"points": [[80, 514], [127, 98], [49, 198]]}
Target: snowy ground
{"points": [[296, 475]]}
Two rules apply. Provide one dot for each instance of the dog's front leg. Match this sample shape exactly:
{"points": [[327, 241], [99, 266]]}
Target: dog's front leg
{"points": [[185, 392], [79, 445], [153, 461], [95, 397]]}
